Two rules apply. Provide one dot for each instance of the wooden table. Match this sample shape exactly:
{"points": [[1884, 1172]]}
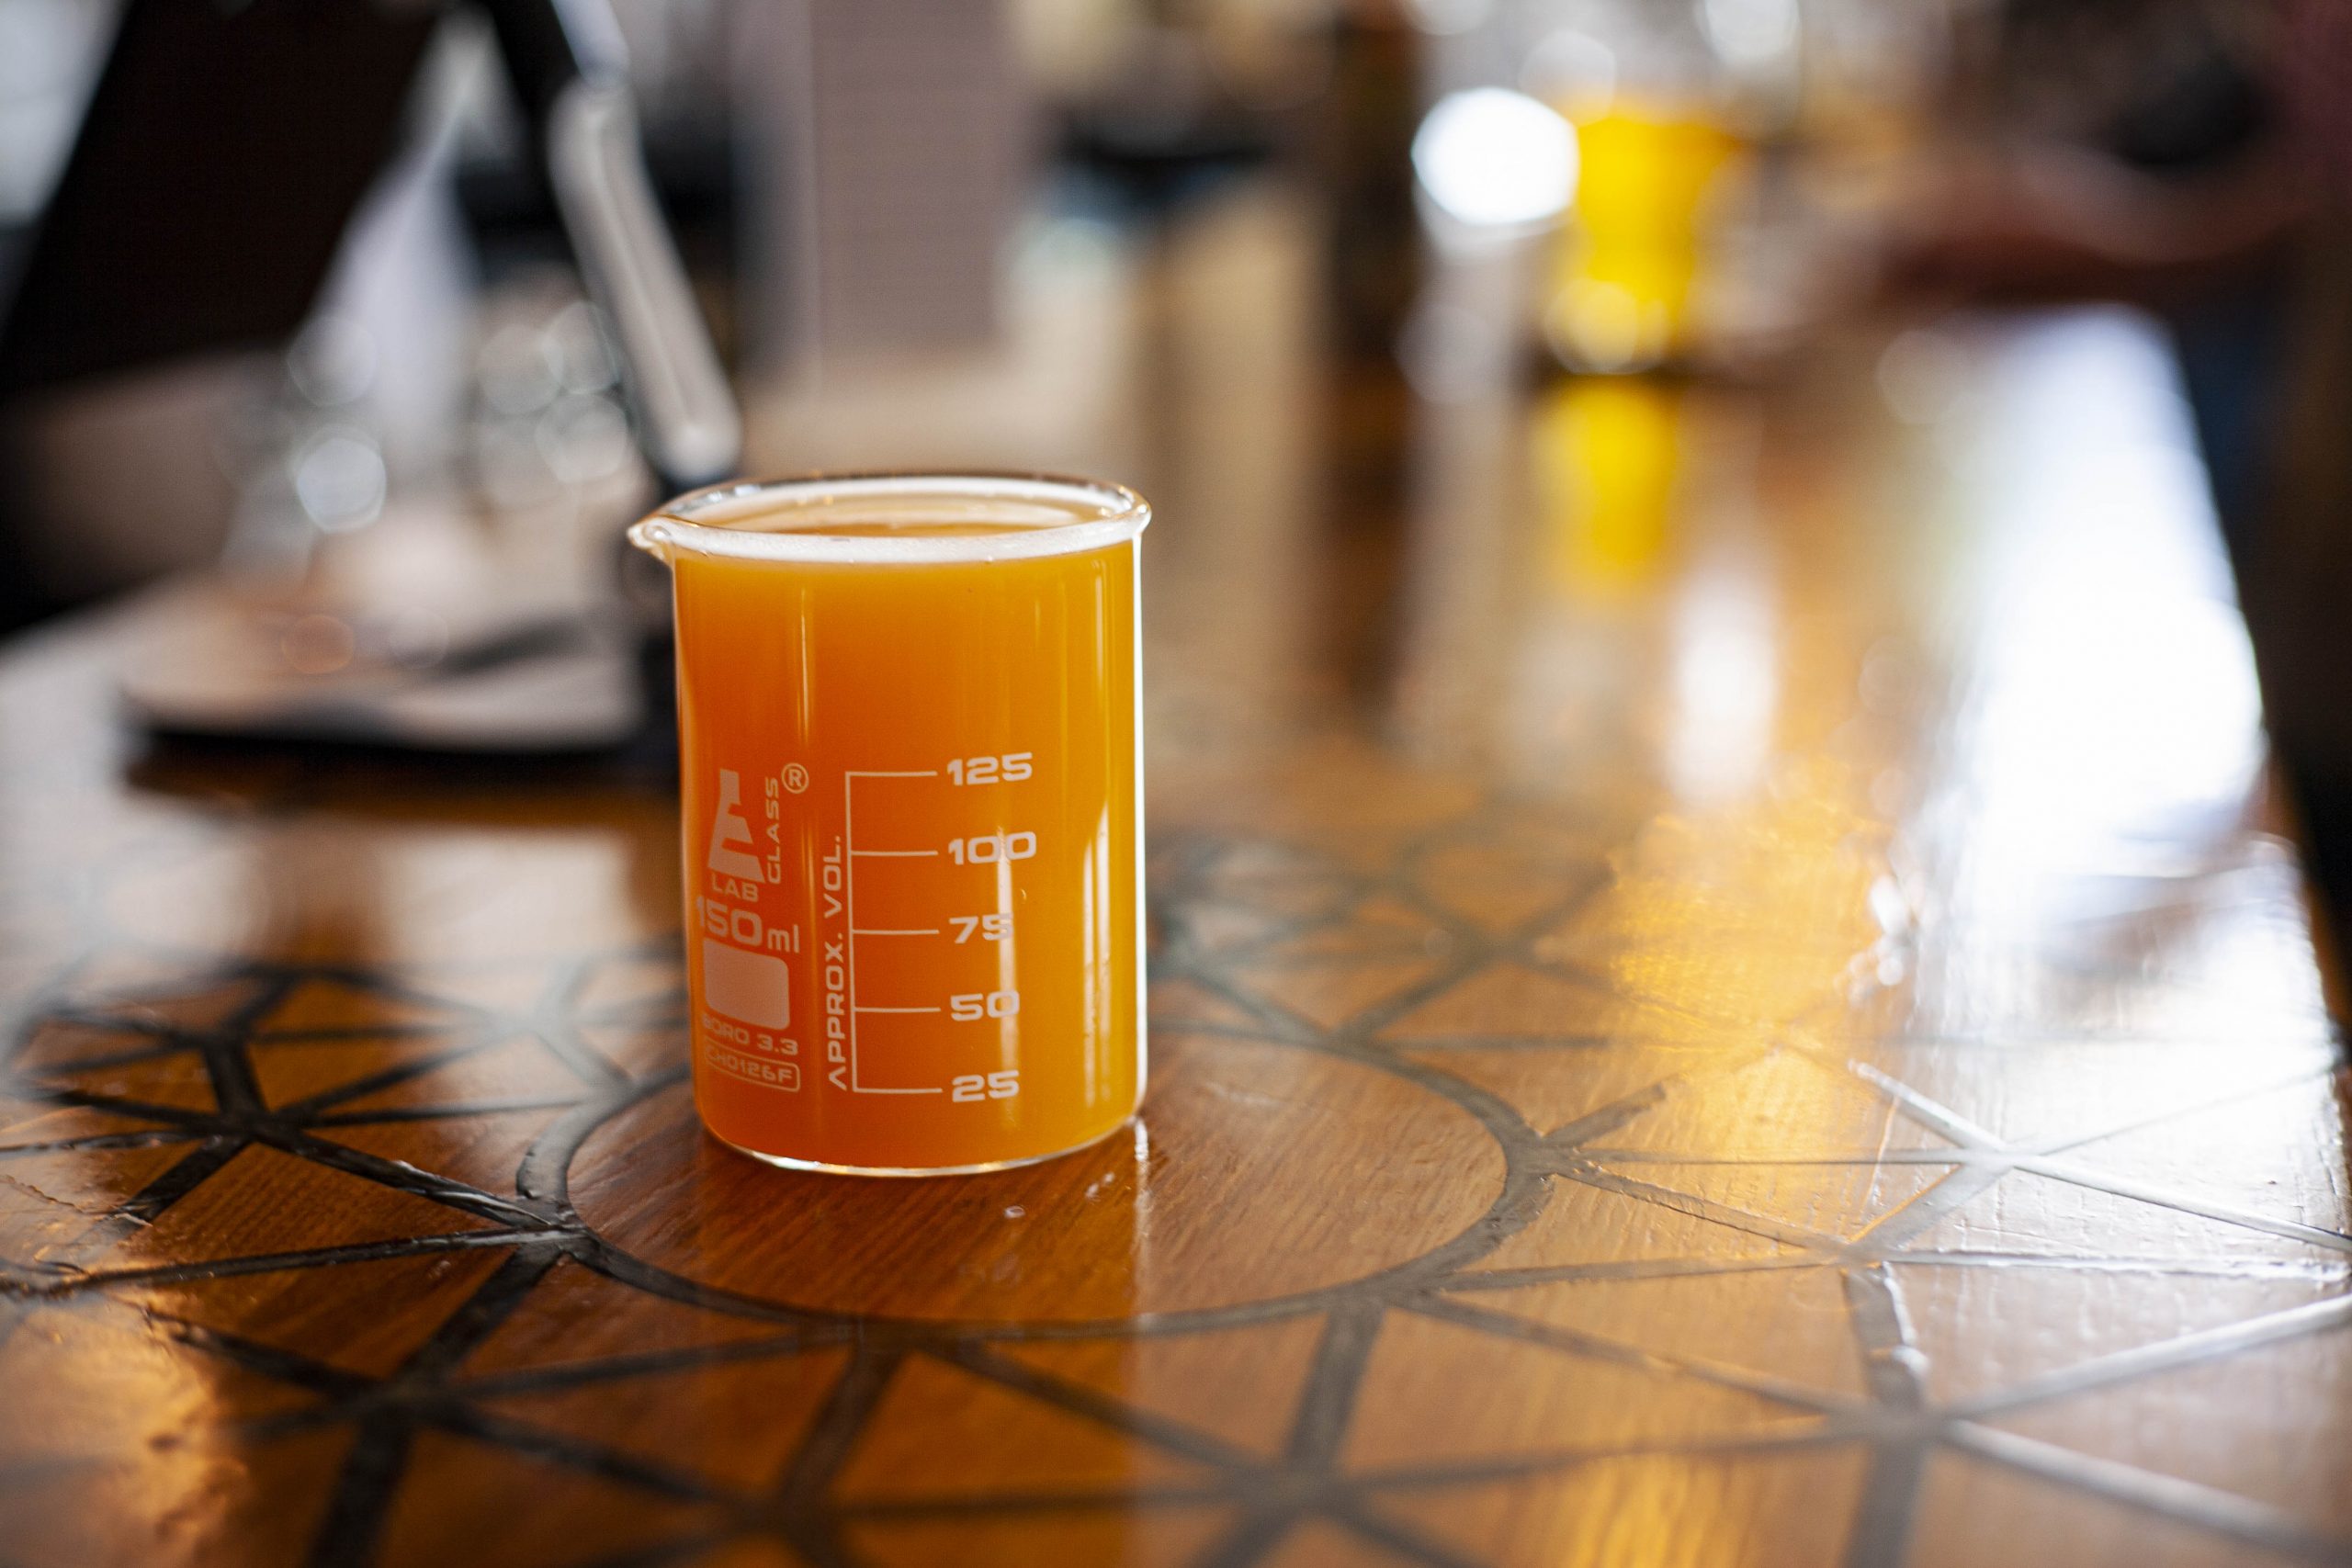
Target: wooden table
{"points": [[1779, 1028]]}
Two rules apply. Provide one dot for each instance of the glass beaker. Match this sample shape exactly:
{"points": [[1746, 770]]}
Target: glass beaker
{"points": [[910, 758]]}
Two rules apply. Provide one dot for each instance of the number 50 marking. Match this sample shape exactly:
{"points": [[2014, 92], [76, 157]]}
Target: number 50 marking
{"points": [[970, 1007]]}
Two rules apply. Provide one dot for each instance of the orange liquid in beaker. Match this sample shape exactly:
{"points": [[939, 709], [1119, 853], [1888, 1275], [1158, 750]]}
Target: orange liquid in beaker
{"points": [[910, 811]]}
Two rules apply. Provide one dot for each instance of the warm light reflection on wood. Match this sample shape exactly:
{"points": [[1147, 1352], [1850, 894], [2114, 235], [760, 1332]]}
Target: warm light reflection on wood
{"points": [[1816, 1054]]}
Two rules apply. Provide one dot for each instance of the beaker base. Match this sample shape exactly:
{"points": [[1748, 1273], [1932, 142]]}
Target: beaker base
{"points": [[786, 1162]]}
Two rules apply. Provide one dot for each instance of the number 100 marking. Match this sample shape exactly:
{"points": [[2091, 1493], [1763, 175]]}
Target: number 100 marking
{"points": [[986, 849]]}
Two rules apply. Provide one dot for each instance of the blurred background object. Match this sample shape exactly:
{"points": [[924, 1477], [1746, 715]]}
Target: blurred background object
{"points": [[1698, 719], [242, 179], [892, 155], [2189, 158], [944, 231]]}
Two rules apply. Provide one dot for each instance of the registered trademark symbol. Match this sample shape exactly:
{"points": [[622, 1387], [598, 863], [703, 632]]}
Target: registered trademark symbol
{"points": [[795, 778]]}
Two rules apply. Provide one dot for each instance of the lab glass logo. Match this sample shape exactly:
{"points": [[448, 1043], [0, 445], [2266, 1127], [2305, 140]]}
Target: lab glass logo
{"points": [[741, 980], [729, 829]]}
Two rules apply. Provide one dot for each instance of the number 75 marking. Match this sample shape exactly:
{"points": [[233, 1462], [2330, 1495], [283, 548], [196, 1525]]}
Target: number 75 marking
{"points": [[991, 928]]}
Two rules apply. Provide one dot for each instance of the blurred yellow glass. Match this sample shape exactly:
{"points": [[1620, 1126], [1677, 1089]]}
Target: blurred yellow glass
{"points": [[1627, 268], [1608, 453]]}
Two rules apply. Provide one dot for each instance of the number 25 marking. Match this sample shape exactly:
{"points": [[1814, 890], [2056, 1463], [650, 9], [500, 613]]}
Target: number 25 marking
{"points": [[994, 1086]]}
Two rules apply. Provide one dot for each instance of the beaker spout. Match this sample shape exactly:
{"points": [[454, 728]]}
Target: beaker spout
{"points": [[654, 535]]}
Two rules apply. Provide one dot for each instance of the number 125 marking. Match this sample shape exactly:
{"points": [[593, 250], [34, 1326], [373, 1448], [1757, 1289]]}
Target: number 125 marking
{"points": [[1011, 768]]}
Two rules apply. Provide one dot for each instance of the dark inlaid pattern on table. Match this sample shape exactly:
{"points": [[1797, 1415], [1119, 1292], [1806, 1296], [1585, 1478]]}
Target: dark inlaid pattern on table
{"points": [[1605, 1184], [171, 1085]]}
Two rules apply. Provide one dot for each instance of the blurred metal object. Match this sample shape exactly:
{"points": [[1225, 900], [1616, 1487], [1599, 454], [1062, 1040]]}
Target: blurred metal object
{"points": [[547, 450], [687, 421], [354, 611], [565, 58], [50, 54], [530, 649], [230, 170]]}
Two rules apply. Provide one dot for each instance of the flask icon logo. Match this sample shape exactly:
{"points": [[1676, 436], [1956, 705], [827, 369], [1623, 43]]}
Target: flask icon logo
{"points": [[728, 830]]}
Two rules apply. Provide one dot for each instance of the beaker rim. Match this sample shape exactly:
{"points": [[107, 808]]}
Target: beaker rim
{"points": [[1094, 514]]}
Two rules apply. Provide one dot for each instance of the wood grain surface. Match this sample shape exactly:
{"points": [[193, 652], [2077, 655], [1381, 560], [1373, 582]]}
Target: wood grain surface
{"points": [[1757, 1013]]}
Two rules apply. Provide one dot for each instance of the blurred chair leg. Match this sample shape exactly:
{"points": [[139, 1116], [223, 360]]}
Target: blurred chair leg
{"points": [[2296, 570]]}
